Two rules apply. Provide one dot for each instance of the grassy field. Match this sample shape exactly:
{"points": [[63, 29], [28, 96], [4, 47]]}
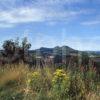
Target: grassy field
{"points": [[19, 82]]}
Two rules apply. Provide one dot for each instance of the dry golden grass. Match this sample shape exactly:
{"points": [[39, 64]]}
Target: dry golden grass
{"points": [[16, 78], [93, 96], [13, 72]]}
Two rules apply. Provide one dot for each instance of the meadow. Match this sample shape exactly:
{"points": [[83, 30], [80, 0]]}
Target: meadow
{"points": [[20, 82]]}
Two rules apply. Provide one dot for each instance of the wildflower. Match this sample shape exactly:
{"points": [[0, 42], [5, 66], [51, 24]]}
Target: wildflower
{"points": [[60, 84], [35, 74], [28, 81], [59, 76]]}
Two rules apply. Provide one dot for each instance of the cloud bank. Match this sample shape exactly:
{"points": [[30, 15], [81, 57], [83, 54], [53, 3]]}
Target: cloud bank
{"points": [[25, 11]]}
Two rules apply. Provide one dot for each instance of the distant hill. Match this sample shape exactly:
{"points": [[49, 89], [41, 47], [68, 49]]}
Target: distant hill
{"points": [[64, 50]]}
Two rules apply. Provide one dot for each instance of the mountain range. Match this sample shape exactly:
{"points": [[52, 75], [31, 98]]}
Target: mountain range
{"points": [[63, 50]]}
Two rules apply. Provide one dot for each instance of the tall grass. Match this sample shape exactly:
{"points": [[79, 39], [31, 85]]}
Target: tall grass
{"points": [[19, 82]]}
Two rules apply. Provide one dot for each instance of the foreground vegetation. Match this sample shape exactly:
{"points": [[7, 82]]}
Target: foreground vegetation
{"points": [[19, 82]]}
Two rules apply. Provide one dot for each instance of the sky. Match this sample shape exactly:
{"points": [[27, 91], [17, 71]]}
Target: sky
{"points": [[50, 23]]}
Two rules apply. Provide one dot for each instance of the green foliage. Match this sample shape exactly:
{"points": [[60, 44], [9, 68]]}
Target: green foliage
{"points": [[90, 79], [60, 85], [85, 58], [15, 50], [11, 95], [22, 83], [35, 81], [77, 88]]}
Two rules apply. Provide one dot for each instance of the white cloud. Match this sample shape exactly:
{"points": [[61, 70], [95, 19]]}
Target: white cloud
{"points": [[6, 25], [38, 11], [29, 14], [21, 15], [89, 23], [36, 3], [56, 1]]}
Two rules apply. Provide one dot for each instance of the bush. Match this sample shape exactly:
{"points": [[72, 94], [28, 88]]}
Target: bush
{"points": [[20, 83], [90, 79], [34, 81], [60, 85], [77, 88]]}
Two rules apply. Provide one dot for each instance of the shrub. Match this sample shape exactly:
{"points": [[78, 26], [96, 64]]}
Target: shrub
{"points": [[90, 79], [77, 88], [60, 85], [34, 81], [17, 82]]}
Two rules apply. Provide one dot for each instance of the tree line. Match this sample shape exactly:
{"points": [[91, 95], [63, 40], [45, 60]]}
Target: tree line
{"points": [[15, 50]]}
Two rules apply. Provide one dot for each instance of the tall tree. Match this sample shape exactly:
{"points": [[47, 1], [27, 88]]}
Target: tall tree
{"points": [[9, 48], [15, 49], [25, 46]]}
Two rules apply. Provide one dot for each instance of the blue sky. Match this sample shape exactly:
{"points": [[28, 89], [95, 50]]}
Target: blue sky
{"points": [[48, 23]]}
